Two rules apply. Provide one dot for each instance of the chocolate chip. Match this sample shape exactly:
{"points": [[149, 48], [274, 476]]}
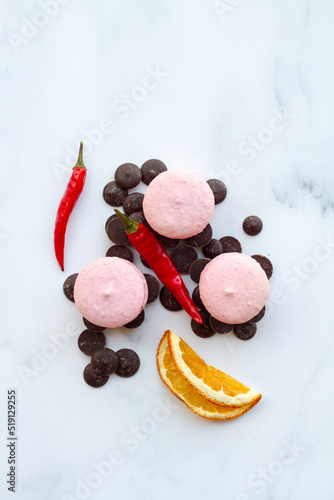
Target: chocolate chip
{"points": [[121, 251], [138, 217], [150, 169], [116, 232], [182, 258], [89, 341], [259, 315], [135, 323], [168, 300], [92, 327], [219, 190], [92, 378], [201, 239], [197, 267], [104, 361], [68, 286], [265, 263], [133, 203], [252, 225], [168, 242], [202, 330], [153, 288], [144, 263], [129, 363], [213, 249], [114, 194], [230, 244], [245, 331], [220, 327], [112, 217], [197, 299], [128, 175]]}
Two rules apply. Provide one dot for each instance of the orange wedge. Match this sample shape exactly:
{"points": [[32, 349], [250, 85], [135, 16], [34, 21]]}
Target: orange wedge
{"points": [[185, 391], [211, 383]]}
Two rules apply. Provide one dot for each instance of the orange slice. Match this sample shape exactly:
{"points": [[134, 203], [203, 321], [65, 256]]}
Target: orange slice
{"points": [[181, 388], [211, 383]]}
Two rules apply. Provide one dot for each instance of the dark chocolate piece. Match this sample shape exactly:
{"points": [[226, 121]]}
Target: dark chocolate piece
{"points": [[259, 315], [104, 361], [202, 330], [89, 341], [197, 267], [92, 327], [265, 263], [213, 249], [94, 379], [144, 263], [153, 288], [116, 232], [113, 194], [219, 326], [245, 331], [135, 323], [68, 286], [201, 239], [168, 242], [182, 258], [252, 225], [197, 299], [150, 169], [121, 251], [133, 203], [128, 175], [168, 301], [129, 363], [230, 244], [139, 217], [113, 216], [219, 190]]}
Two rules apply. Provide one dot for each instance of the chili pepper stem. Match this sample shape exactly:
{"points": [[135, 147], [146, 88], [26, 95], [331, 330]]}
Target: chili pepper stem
{"points": [[80, 163], [130, 225]]}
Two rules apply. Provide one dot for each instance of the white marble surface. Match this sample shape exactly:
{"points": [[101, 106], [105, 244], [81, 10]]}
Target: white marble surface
{"points": [[240, 90]]}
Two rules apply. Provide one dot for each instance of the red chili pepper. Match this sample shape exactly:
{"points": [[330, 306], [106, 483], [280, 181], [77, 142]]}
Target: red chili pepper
{"points": [[68, 201], [158, 259]]}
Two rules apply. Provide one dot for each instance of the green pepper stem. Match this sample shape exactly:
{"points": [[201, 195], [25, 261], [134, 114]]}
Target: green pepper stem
{"points": [[80, 163], [130, 225]]}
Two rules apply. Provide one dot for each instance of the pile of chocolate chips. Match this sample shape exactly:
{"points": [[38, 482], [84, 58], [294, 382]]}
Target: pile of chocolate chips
{"points": [[183, 253]]}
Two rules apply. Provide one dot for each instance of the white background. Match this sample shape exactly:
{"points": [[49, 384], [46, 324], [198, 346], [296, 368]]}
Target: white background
{"points": [[243, 91]]}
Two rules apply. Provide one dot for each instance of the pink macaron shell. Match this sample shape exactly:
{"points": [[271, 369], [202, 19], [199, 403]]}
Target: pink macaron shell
{"points": [[233, 288], [110, 292], [178, 203]]}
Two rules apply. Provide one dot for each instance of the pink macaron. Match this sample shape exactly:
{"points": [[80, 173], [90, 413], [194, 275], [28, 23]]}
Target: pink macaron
{"points": [[233, 288], [110, 292], [178, 203]]}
